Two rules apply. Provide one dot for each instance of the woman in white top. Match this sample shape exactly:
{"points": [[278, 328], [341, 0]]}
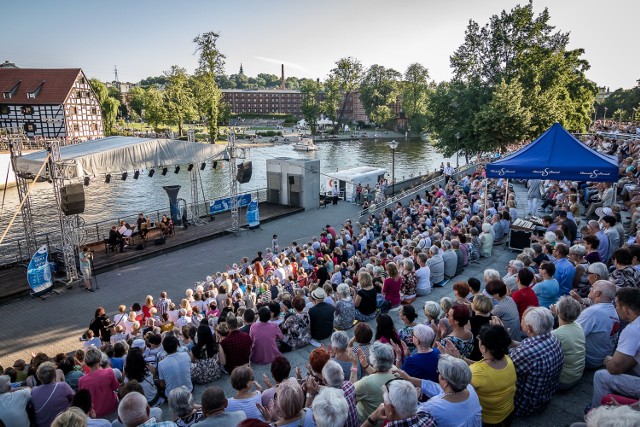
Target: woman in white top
{"points": [[246, 398]]}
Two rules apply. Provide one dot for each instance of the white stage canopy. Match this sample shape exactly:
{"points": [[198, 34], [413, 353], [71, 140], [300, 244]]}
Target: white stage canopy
{"points": [[119, 154]]}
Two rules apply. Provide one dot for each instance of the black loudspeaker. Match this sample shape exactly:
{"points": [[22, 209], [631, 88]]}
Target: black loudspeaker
{"points": [[519, 239], [244, 172], [292, 180], [72, 199]]}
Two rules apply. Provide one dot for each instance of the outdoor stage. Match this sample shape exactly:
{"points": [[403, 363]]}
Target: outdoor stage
{"points": [[13, 281]]}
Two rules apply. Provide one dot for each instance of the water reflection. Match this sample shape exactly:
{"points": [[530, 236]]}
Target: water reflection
{"points": [[124, 199]]}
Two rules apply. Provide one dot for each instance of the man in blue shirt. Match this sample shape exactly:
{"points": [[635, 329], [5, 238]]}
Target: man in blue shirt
{"points": [[565, 271]]}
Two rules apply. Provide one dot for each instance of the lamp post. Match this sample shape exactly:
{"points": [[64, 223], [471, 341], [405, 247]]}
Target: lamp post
{"points": [[457, 148], [393, 145], [604, 118]]}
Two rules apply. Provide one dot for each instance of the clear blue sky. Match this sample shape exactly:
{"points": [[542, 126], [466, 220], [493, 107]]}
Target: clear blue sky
{"points": [[144, 37]]}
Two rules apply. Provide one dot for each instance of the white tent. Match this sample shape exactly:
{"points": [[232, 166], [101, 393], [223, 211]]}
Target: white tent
{"points": [[118, 154], [325, 121]]}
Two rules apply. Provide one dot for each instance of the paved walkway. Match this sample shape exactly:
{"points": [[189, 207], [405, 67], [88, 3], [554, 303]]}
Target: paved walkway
{"points": [[54, 325]]}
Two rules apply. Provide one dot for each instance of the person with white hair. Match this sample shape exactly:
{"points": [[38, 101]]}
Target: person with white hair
{"points": [[368, 389], [13, 403], [511, 278], [538, 360], [134, 411], [600, 322], [486, 239], [611, 416], [345, 310], [400, 407], [452, 400], [423, 363], [423, 275], [330, 408], [436, 265]]}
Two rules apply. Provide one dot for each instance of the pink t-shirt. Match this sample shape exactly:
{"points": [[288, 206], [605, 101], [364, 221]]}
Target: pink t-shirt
{"points": [[264, 348], [391, 290], [102, 385]]}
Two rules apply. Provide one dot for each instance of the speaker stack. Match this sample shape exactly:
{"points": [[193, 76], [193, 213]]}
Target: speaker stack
{"points": [[244, 172], [72, 199]]}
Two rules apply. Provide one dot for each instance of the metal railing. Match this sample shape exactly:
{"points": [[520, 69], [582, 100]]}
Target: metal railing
{"points": [[14, 251]]}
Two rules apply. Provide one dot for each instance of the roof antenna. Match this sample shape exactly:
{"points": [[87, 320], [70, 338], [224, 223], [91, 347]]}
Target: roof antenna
{"points": [[115, 70]]}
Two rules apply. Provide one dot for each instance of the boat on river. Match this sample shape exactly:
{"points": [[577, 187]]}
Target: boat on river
{"points": [[305, 144]]}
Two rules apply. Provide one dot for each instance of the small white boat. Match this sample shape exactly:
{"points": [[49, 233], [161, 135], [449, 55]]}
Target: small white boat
{"points": [[305, 144]]}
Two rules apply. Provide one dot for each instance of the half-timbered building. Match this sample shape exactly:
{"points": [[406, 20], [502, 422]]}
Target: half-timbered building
{"points": [[49, 103]]}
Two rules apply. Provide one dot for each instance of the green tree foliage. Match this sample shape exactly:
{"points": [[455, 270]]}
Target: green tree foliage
{"points": [[154, 107], [415, 94], [180, 103], [208, 95], [347, 74], [517, 52], [311, 106], [108, 105], [153, 81], [380, 88], [332, 98], [626, 100], [504, 119], [136, 100]]}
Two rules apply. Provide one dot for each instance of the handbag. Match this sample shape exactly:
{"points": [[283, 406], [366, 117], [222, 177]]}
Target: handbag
{"points": [[205, 370]]}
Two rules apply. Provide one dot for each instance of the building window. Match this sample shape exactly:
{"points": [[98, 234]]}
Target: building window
{"points": [[29, 127], [94, 110], [4, 109], [80, 94], [27, 109], [76, 128], [94, 127], [73, 111]]}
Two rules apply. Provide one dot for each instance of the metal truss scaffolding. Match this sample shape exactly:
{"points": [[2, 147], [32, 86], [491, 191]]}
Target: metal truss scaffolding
{"points": [[15, 149], [234, 154]]}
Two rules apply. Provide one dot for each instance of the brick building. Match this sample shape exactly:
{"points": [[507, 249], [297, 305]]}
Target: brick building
{"points": [[49, 103], [243, 101]]}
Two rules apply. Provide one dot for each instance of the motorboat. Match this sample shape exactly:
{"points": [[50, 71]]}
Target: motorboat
{"points": [[305, 144]]}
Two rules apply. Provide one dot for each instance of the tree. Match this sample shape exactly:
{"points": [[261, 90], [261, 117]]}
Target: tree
{"points": [[311, 106], [108, 105], [153, 81], [136, 99], [154, 107], [504, 119], [210, 64], [415, 93], [179, 101], [379, 89], [347, 74], [332, 98]]}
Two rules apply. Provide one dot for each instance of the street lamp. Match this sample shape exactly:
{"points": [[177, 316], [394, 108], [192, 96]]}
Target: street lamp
{"points": [[393, 145], [457, 148], [604, 118]]}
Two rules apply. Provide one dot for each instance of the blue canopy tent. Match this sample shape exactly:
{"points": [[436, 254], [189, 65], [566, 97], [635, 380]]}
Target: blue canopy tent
{"points": [[556, 155]]}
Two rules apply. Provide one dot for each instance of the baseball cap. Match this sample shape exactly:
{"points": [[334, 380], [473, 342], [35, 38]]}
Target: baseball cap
{"points": [[603, 212]]}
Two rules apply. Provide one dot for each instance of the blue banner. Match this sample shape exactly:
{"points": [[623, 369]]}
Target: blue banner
{"points": [[253, 215], [223, 205], [39, 272]]}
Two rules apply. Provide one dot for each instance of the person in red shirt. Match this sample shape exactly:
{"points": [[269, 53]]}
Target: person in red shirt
{"points": [[524, 297], [391, 286], [101, 383], [235, 347]]}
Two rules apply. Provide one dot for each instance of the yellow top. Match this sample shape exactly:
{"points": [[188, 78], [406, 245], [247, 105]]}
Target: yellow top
{"points": [[496, 389]]}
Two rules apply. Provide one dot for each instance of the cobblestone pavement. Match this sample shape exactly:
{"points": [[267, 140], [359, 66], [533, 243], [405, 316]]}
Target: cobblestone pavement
{"points": [[55, 324]]}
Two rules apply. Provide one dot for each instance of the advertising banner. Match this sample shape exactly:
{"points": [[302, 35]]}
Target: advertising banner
{"points": [[223, 205], [39, 272], [253, 215]]}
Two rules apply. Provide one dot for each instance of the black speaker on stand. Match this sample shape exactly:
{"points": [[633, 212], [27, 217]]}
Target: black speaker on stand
{"points": [[244, 172], [72, 199]]}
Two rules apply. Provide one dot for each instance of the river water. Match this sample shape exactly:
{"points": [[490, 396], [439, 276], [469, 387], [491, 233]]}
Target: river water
{"points": [[124, 199]]}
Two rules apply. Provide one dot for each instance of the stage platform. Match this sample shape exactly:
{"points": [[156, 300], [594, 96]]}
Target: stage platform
{"points": [[13, 281]]}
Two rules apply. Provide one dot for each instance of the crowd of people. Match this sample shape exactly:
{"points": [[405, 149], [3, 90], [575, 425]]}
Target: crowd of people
{"points": [[499, 349]]}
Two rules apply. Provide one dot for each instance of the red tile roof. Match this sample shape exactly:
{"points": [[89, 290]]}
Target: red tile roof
{"points": [[57, 84]]}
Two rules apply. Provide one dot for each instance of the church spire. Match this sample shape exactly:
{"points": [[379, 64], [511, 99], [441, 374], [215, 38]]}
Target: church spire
{"points": [[241, 70]]}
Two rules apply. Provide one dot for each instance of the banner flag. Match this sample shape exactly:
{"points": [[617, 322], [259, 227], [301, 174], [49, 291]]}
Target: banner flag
{"points": [[39, 272], [253, 215]]}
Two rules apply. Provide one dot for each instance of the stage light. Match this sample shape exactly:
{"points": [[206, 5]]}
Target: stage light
{"points": [[164, 171], [136, 174], [107, 179], [124, 176], [151, 172], [190, 167], [202, 166], [177, 169], [86, 181], [215, 164]]}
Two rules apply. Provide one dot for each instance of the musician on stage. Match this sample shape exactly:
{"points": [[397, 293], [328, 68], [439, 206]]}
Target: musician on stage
{"points": [[86, 257]]}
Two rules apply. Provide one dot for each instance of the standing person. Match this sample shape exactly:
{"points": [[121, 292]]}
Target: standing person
{"points": [[533, 196], [335, 193], [85, 256]]}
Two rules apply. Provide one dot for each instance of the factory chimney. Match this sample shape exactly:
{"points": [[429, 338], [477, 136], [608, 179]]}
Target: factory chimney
{"points": [[282, 86]]}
